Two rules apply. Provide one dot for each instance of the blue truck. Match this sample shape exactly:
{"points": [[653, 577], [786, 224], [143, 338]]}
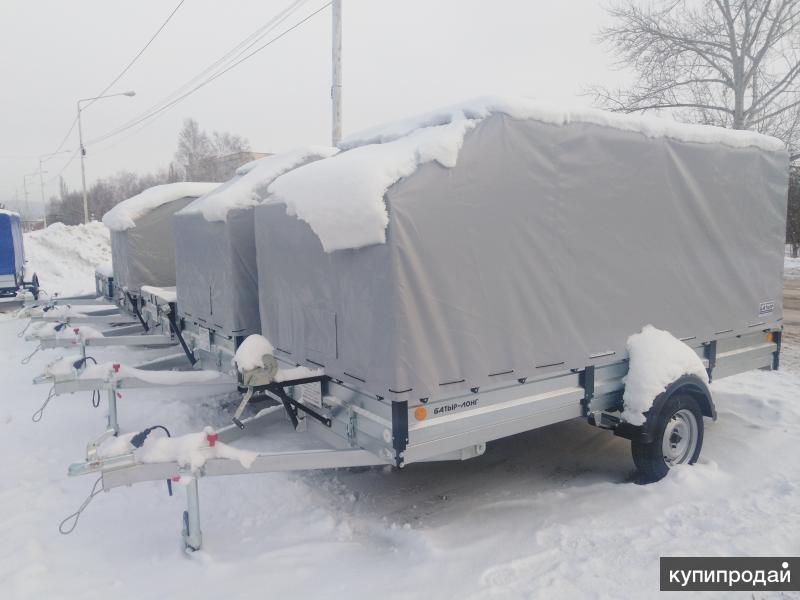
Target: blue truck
{"points": [[12, 257]]}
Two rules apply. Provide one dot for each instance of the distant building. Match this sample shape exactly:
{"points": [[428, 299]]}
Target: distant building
{"points": [[224, 167], [32, 225]]}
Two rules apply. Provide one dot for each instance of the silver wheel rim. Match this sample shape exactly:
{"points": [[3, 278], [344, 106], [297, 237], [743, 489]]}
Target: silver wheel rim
{"points": [[680, 438]]}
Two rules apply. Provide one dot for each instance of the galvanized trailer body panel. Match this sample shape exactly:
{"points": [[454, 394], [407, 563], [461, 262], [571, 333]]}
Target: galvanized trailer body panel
{"points": [[542, 250]]}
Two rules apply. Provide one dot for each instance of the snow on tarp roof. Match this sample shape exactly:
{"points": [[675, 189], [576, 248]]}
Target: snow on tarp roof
{"points": [[124, 215], [341, 197], [9, 213], [248, 187]]}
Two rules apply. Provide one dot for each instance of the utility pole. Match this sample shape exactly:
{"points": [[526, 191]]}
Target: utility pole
{"points": [[41, 188], [25, 189], [82, 149], [336, 83]]}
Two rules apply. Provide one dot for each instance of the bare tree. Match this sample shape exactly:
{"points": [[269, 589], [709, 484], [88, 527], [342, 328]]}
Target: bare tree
{"points": [[228, 143], [196, 158], [793, 211], [194, 148], [199, 154], [731, 63]]}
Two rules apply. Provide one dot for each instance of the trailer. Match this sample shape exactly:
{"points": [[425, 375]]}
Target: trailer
{"points": [[157, 328], [139, 284], [104, 282], [489, 269], [215, 258], [330, 424], [143, 244]]}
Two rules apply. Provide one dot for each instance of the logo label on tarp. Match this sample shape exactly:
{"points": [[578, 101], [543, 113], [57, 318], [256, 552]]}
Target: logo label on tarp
{"points": [[766, 308]]}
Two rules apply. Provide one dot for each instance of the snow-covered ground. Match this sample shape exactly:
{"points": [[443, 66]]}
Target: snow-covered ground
{"points": [[65, 257], [549, 514], [791, 267]]}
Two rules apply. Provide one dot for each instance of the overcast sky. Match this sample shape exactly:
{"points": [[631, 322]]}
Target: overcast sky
{"points": [[400, 57]]}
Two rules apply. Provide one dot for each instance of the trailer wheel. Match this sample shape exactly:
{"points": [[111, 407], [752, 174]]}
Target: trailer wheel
{"points": [[678, 439], [35, 286]]}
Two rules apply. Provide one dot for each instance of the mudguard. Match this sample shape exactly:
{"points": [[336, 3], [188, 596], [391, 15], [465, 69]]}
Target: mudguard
{"points": [[687, 384]]}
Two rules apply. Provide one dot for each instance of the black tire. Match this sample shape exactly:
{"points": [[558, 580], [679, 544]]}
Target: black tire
{"points": [[649, 458]]}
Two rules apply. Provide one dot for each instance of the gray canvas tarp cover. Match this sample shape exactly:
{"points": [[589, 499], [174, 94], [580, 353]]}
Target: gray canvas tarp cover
{"points": [[217, 280], [145, 254], [542, 250]]}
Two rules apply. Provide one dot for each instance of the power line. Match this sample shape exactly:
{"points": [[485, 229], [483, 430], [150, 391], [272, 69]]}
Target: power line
{"points": [[118, 77], [65, 167], [66, 136], [236, 51], [139, 54], [225, 59], [158, 109]]}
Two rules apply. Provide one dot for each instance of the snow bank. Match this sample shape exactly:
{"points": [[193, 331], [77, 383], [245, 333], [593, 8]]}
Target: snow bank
{"points": [[251, 352], [341, 198], [249, 186], [123, 216], [527, 109], [791, 267], [65, 257], [656, 360], [192, 450]]}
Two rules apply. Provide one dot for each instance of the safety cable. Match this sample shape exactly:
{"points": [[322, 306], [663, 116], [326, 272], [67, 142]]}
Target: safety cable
{"points": [[62, 527], [24, 329], [28, 358], [37, 416]]}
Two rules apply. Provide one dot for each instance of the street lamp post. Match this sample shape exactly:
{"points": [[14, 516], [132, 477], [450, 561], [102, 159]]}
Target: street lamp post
{"points": [[82, 149], [336, 75]]}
